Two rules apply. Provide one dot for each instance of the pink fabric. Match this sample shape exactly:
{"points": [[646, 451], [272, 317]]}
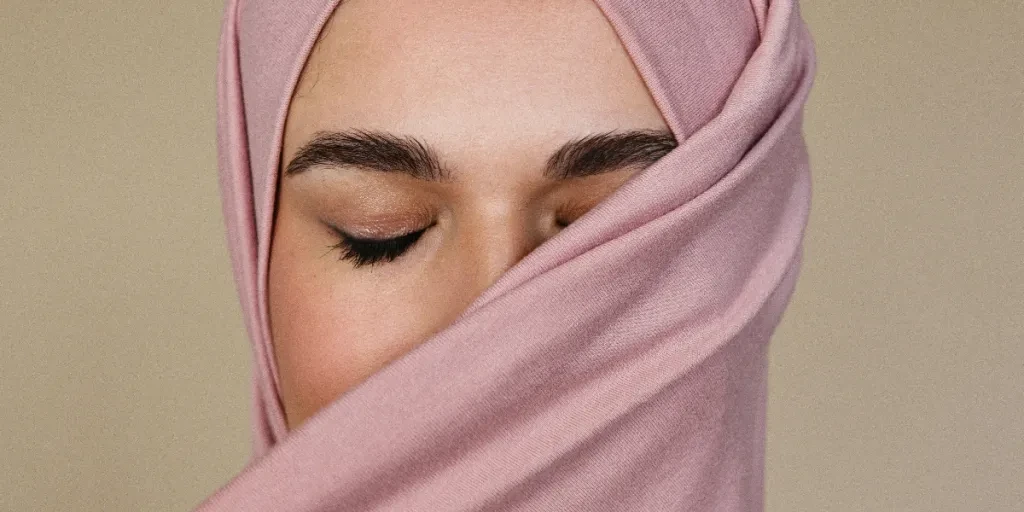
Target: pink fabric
{"points": [[619, 366]]}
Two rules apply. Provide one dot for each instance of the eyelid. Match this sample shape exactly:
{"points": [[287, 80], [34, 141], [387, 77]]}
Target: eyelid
{"points": [[377, 230], [369, 239], [572, 210]]}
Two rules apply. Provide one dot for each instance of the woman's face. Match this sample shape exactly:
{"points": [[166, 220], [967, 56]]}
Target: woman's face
{"points": [[467, 133]]}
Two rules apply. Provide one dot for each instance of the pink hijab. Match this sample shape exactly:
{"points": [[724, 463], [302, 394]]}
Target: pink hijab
{"points": [[619, 366]]}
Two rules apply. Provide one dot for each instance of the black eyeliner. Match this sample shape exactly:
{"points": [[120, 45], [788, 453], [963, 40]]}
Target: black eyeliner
{"points": [[369, 251]]}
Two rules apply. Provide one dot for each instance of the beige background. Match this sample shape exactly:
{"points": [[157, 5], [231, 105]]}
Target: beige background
{"points": [[896, 374]]}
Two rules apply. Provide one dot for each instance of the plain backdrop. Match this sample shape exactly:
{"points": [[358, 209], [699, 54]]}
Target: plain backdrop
{"points": [[895, 382]]}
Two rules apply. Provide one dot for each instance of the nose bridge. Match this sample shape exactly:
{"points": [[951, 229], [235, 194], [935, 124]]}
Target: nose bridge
{"points": [[499, 243]]}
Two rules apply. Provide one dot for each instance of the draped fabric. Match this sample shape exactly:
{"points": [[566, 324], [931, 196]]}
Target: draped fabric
{"points": [[619, 366]]}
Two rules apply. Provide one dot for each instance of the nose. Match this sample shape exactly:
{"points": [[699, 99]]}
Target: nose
{"points": [[491, 254], [494, 242]]}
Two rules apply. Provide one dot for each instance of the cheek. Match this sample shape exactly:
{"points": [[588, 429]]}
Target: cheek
{"points": [[333, 326], [313, 342]]}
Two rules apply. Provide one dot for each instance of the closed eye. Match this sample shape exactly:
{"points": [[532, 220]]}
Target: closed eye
{"points": [[370, 251]]}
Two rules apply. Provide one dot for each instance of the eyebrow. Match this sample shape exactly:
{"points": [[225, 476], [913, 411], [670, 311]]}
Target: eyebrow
{"points": [[398, 154]]}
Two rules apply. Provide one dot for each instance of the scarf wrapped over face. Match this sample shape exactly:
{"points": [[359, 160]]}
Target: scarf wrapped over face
{"points": [[619, 366]]}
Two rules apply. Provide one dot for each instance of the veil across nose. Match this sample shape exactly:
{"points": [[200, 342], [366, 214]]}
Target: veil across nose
{"points": [[621, 365]]}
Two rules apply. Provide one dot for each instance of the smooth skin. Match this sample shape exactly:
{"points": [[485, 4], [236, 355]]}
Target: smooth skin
{"points": [[495, 88]]}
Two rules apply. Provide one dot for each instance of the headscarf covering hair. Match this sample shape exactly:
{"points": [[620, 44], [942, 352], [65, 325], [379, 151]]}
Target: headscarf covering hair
{"points": [[622, 364]]}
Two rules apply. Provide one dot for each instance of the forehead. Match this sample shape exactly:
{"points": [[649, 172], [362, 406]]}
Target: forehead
{"points": [[470, 69]]}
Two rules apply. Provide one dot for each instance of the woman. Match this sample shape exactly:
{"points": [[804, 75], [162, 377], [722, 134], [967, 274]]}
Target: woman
{"points": [[506, 256]]}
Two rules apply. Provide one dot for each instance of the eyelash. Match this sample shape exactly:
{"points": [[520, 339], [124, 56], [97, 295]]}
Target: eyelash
{"points": [[370, 251]]}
